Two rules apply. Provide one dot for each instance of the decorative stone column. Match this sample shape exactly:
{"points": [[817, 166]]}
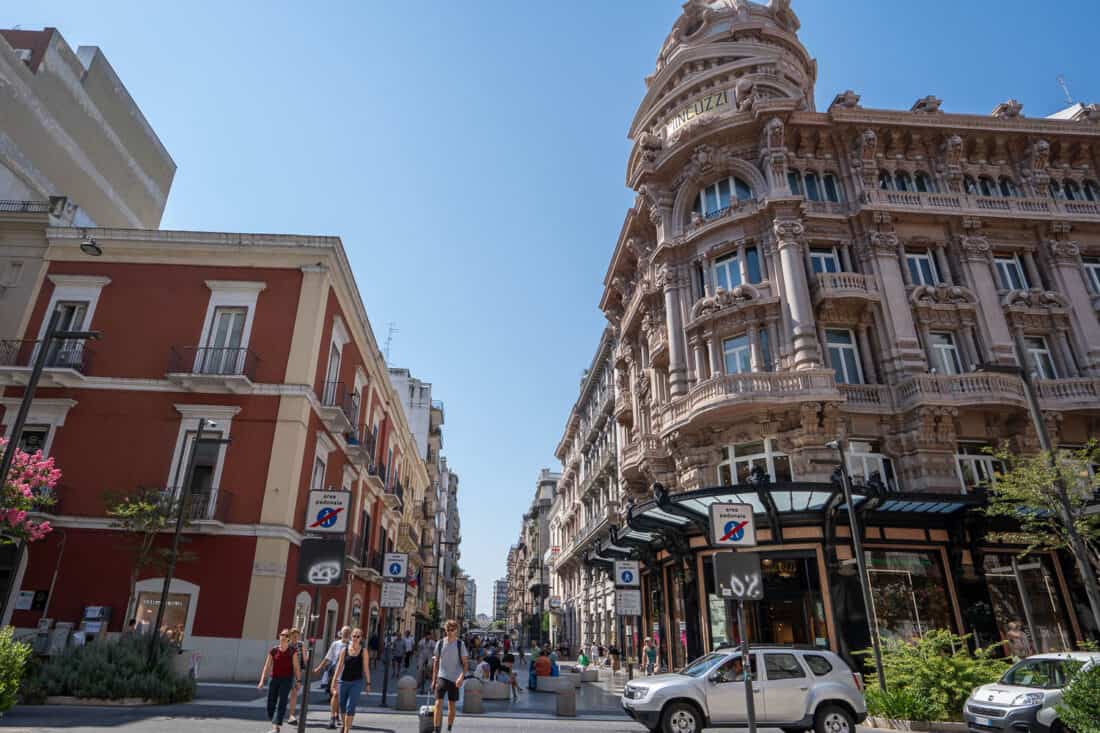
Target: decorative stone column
{"points": [[1069, 279], [942, 265], [796, 292], [668, 280], [870, 373], [978, 260], [879, 255], [700, 361]]}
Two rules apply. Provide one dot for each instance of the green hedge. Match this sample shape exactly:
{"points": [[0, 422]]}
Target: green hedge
{"points": [[1080, 708], [111, 670], [13, 663]]}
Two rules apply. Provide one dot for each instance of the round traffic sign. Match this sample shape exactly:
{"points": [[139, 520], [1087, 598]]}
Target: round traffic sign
{"points": [[395, 568], [326, 517], [733, 530], [627, 577]]}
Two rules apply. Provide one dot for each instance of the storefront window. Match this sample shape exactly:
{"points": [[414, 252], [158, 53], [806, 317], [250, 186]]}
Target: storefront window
{"points": [[866, 462], [908, 593], [1026, 604], [175, 612], [739, 461]]}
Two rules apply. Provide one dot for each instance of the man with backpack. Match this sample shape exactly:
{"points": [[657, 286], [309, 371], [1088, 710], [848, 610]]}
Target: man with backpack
{"points": [[448, 671]]}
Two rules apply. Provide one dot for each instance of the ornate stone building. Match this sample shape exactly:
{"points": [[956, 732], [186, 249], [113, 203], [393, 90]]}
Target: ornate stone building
{"points": [[787, 277]]}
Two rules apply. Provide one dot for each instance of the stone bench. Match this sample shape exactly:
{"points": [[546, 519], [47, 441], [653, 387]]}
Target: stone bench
{"points": [[553, 684], [572, 678], [495, 690], [590, 675]]}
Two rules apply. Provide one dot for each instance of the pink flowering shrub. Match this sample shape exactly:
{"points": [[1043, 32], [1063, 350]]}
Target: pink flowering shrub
{"points": [[29, 487]]}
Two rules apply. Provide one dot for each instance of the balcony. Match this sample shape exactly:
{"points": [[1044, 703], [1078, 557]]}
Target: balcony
{"points": [[1029, 208], [66, 365], [844, 286], [395, 495], [1081, 393], [960, 390], [211, 505], [339, 408], [360, 448], [874, 398], [212, 369], [365, 564], [721, 397]]}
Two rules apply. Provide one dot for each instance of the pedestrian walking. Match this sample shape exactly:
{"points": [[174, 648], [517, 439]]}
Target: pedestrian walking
{"points": [[292, 705], [424, 661], [328, 664], [650, 652], [407, 645], [397, 654], [281, 666], [448, 671], [351, 677]]}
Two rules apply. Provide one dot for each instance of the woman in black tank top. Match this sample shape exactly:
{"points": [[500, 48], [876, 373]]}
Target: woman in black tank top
{"points": [[352, 675]]}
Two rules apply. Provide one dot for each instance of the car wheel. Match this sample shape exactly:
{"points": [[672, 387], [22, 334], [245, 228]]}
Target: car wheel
{"points": [[833, 719], [681, 717]]}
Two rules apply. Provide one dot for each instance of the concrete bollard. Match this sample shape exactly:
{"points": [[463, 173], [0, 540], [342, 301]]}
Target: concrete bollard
{"points": [[406, 693], [566, 703], [590, 675], [471, 697]]}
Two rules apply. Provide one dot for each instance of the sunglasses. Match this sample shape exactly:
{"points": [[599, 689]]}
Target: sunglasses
{"points": [[357, 636]]}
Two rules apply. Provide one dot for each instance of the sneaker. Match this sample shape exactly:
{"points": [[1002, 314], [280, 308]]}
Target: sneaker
{"points": [[332, 723], [292, 721]]}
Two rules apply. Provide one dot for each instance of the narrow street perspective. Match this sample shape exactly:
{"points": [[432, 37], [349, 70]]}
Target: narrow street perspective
{"points": [[799, 431]]}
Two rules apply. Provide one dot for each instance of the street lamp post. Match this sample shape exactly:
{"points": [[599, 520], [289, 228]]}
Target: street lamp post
{"points": [[856, 531]]}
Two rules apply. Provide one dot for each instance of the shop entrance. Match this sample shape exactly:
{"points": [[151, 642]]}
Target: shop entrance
{"points": [[1026, 604], [792, 611]]}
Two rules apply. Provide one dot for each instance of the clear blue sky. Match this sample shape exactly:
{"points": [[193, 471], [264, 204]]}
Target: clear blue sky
{"points": [[471, 156]]}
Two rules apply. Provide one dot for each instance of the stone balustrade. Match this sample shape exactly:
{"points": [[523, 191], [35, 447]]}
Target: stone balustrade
{"points": [[958, 389], [1067, 394], [1025, 207]]}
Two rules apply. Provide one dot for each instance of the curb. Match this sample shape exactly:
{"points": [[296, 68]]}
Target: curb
{"points": [[125, 702]]}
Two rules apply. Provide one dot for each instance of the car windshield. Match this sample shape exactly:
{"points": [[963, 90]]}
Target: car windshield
{"points": [[1045, 674], [702, 665]]}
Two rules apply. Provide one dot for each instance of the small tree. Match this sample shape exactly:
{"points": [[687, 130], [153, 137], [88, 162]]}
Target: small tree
{"points": [[1053, 499], [1080, 708], [143, 514], [29, 486]]}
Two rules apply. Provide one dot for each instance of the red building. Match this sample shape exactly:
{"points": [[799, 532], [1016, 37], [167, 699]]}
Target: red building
{"points": [[266, 336]]}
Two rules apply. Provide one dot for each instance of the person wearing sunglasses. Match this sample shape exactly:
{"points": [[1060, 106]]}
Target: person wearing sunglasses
{"points": [[285, 672], [351, 677]]}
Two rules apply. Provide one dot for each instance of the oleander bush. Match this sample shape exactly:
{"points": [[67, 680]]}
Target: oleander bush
{"points": [[112, 670], [13, 661], [932, 676], [1080, 707]]}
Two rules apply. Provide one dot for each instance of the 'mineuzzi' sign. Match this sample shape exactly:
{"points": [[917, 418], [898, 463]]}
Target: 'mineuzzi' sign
{"points": [[696, 108]]}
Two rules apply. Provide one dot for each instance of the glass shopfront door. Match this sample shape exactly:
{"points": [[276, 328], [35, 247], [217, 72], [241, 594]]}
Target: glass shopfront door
{"points": [[1026, 604], [908, 593]]}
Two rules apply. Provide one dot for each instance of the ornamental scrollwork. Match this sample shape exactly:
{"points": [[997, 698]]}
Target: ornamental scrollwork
{"points": [[788, 229], [1063, 252], [976, 249]]}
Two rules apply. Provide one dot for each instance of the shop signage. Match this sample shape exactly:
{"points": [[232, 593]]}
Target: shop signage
{"points": [[394, 565], [328, 511], [626, 573], [320, 561], [393, 595], [737, 576], [731, 525], [708, 103], [628, 602]]}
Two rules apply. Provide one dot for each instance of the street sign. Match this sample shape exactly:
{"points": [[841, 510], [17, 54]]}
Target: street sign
{"points": [[320, 561], [393, 595], [394, 565], [626, 573], [737, 576], [731, 525], [628, 602], [328, 511]]}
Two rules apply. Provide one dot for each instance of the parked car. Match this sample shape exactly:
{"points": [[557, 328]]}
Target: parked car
{"points": [[800, 689], [1026, 695]]}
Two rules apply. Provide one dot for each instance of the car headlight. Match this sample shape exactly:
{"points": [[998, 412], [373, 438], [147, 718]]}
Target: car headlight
{"points": [[635, 693], [1028, 698]]}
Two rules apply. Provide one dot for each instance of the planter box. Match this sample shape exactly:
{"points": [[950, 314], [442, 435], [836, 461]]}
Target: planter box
{"points": [[917, 726], [125, 702]]}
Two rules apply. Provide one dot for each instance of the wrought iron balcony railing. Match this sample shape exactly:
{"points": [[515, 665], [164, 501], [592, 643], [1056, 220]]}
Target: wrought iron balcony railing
{"points": [[213, 361]]}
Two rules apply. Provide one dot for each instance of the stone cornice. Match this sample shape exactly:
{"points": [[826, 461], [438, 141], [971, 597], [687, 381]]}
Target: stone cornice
{"points": [[952, 122]]}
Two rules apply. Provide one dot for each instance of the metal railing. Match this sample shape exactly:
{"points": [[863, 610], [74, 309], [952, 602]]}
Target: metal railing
{"points": [[73, 355], [208, 505], [10, 206], [213, 361], [335, 395]]}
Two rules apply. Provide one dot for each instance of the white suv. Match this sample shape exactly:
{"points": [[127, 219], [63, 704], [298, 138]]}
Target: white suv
{"points": [[798, 690]]}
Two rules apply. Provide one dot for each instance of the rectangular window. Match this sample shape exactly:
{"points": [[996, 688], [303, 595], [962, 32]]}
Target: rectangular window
{"points": [[1010, 274], [70, 317], [739, 461], [737, 355], [317, 480], [1038, 355], [752, 265], [866, 463], [1092, 273], [175, 611], [766, 351], [945, 357], [34, 439], [976, 467], [222, 354], [824, 260], [207, 454], [922, 268], [844, 355], [727, 273]]}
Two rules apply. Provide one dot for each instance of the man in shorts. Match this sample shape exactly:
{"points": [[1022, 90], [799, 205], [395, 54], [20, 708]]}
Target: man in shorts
{"points": [[448, 671]]}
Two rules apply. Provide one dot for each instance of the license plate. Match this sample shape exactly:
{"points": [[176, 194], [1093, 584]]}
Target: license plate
{"points": [[983, 721]]}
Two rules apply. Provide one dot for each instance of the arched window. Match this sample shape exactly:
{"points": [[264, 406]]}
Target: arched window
{"points": [[1008, 188], [987, 187], [715, 198], [885, 180], [813, 190], [1055, 190], [832, 188], [969, 185], [924, 183], [1092, 190], [1072, 190], [794, 180], [903, 182]]}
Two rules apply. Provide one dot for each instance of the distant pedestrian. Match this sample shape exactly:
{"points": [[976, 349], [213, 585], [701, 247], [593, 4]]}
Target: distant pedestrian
{"points": [[296, 645], [328, 664], [424, 661], [351, 677], [650, 654], [448, 671], [131, 629], [281, 664], [407, 645]]}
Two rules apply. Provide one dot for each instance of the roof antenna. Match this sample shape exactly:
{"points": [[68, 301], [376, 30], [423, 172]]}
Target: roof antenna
{"points": [[1065, 89], [392, 329]]}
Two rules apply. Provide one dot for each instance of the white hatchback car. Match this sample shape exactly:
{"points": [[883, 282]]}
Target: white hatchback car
{"points": [[800, 689], [1025, 697]]}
